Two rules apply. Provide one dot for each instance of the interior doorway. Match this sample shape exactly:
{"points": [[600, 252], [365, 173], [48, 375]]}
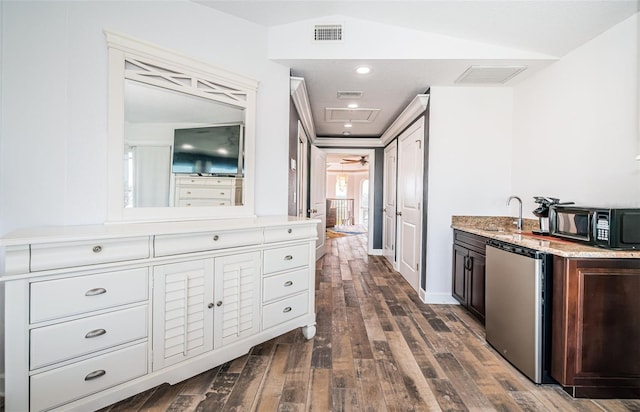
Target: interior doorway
{"points": [[349, 192]]}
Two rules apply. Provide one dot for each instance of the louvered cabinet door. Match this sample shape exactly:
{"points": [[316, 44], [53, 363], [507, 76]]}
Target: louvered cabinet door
{"points": [[237, 296], [183, 311]]}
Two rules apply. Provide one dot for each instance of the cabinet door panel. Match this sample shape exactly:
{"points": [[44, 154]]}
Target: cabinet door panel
{"points": [[183, 322], [476, 284], [459, 274], [237, 290]]}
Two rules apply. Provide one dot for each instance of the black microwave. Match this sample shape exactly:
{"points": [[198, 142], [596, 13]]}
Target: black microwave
{"points": [[607, 228]]}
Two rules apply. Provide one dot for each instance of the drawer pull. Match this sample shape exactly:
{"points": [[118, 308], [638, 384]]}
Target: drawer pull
{"points": [[95, 374], [219, 303], [95, 291], [288, 257], [188, 193], [222, 193], [95, 333], [288, 283], [216, 237], [287, 309], [97, 249], [289, 230]]}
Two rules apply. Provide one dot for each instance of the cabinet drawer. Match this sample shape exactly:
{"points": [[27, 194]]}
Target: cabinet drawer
{"points": [[208, 181], [205, 192], [284, 258], [166, 245], [203, 202], [284, 310], [64, 297], [470, 241], [71, 382], [279, 286], [67, 340], [68, 254], [277, 234]]}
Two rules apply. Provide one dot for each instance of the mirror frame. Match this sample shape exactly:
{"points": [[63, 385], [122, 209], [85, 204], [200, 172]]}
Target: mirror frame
{"points": [[208, 82]]}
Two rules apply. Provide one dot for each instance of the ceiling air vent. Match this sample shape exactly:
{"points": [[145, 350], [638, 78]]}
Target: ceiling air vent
{"points": [[489, 74], [327, 32], [349, 95]]}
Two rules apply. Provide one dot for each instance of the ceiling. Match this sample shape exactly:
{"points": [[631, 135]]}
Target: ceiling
{"points": [[553, 27]]}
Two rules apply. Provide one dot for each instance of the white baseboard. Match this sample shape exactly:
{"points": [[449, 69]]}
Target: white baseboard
{"points": [[438, 298], [376, 252]]}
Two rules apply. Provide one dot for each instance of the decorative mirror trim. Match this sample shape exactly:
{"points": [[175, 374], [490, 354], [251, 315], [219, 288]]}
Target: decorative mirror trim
{"points": [[145, 62]]}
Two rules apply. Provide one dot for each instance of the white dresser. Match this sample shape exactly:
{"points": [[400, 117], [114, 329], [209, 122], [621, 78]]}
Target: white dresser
{"points": [[95, 314], [208, 191]]}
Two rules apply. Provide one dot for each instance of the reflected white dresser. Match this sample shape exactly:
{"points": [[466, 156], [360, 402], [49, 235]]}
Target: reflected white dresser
{"points": [[95, 314], [208, 191]]}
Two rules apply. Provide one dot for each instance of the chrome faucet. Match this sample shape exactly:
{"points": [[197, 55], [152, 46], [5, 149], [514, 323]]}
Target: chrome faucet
{"points": [[519, 222]]}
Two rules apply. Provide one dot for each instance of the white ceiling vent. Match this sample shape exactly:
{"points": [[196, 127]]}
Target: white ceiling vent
{"points": [[327, 32], [489, 74], [339, 115], [349, 94]]}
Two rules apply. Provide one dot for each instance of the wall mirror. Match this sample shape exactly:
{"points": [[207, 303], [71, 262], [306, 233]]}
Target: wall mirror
{"points": [[181, 136]]}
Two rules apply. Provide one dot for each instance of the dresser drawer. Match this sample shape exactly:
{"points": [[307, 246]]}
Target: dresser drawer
{"points": [[205, 192], [166, 245], [203, 202], [284, 258], [289, 283], [284, 310], [71, 382], [277, 234], [67, 340], [64, 297], [69, 254], [206, 181]]}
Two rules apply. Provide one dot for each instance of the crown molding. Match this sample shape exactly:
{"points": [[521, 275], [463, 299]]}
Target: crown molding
{"points": [[301, 102], [348, 142], [408, 115]]}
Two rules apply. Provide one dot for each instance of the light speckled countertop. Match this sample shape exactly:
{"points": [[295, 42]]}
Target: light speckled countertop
{"points": [[502, 228]]}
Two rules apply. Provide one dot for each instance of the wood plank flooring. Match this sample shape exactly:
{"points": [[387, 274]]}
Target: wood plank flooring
{"points": [[377, 348]]}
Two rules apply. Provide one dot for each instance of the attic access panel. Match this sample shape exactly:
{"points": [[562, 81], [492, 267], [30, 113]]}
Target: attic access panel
{"points": [[360, 115]]}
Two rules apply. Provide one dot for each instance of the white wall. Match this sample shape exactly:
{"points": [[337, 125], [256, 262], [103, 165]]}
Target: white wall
{"points": [[469, 169], [576, 125], [54, 100]]}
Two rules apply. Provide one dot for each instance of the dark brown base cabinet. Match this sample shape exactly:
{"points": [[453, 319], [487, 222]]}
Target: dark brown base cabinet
{"points": [[468, 271], [596, 327]]}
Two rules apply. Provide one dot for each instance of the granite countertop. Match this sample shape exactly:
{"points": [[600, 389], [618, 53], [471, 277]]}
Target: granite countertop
{"points": [[502, 228]]}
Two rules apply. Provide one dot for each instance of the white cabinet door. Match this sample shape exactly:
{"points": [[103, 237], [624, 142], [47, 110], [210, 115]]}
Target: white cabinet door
{"points": [[183, 320], [237, 296]]}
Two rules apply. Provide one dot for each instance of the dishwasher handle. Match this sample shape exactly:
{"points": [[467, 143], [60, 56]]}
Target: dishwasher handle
{"points": [[511, 248]]}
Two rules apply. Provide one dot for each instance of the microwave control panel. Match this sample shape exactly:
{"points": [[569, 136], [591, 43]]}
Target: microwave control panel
{"points": [[602, 227]]}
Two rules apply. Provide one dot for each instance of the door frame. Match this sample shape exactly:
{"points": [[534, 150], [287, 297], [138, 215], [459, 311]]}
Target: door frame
{"points": [[371, 176], [302, 173], [386, 231]]}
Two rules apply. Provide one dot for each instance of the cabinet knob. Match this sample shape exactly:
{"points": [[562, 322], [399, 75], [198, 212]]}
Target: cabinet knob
{"points": [[188, 193], [288, 257], [288, 283], [216, 237], [289, 230], [219, 303], [97, 249], [287, 309], [398, 213]]}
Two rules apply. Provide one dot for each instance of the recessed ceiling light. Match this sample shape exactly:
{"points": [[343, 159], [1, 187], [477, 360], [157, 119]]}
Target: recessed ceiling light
{"points": [[186, 146], [348, 125], [363, 69], [346, 133], [352, 105]]}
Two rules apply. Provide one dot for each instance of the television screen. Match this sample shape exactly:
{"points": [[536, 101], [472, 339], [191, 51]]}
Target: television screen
{"points": [[215, 150]]}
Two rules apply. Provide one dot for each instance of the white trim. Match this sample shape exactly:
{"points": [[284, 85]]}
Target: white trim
{"points": [[437, 298], [375, 252], [408, 115], [300, 99], [347, 142]]}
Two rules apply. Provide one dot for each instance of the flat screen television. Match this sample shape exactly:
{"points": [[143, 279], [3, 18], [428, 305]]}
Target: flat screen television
{"points": [[213, 150]]}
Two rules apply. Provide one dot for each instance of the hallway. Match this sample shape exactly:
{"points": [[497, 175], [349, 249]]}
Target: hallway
{"points": [[377, 348]]}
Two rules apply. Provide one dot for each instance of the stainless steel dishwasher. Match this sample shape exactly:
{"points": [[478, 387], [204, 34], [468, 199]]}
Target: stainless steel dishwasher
{"points": [[518, 307]]}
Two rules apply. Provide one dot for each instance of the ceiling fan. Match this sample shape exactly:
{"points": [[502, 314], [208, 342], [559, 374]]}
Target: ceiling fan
{"points": [[363, 161]]}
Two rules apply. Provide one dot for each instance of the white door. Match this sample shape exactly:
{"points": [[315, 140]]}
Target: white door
{"points": [[410, 175], [389, 202], [183, 316], [302, 172], [318, 201], [237, 297]]}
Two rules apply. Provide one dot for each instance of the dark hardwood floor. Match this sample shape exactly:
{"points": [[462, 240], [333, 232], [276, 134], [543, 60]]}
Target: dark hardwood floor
{"points": [[377, 348]]}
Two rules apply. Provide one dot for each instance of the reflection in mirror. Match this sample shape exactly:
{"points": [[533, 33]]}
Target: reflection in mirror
{"points": [[180, 149]]}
